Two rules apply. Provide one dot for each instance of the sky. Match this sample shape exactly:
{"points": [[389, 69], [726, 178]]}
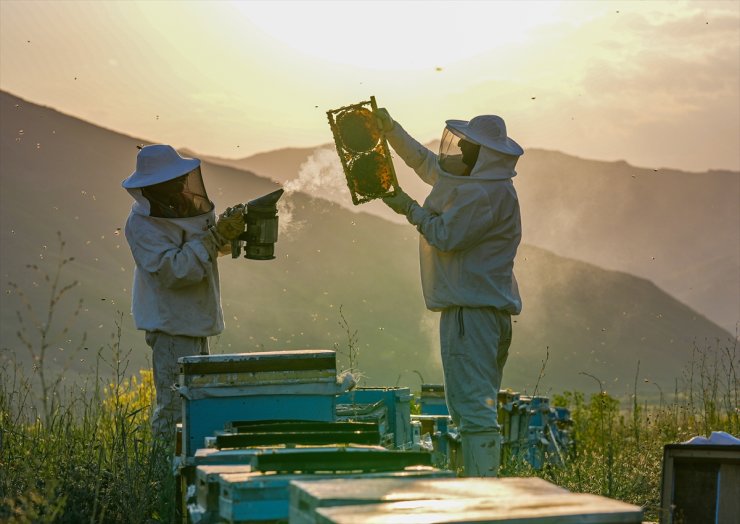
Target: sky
{"points": [[655, 83]]}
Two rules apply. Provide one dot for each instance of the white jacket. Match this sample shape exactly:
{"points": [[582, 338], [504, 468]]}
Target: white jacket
{"points": [[176, 284], [470, 229]]}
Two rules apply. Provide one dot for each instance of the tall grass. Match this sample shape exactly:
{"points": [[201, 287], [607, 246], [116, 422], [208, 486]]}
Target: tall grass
{"points": [[618, 449], [80, 453], [91, 460], [94, 459]]}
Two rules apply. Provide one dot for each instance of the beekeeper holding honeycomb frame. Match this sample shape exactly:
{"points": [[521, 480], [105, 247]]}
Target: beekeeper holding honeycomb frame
{"points": [[470, 229]]}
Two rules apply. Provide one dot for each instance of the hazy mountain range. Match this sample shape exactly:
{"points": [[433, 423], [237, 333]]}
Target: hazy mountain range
{"points": [[680, 230], [58, 173]]}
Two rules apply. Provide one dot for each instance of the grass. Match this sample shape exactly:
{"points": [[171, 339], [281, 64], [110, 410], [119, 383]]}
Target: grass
{"points": [[86, 453], [618, 450], [91, 459], [80, 453]]}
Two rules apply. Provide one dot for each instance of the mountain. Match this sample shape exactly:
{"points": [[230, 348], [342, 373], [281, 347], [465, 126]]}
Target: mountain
{"points": [[680, 230], [339, 277]]}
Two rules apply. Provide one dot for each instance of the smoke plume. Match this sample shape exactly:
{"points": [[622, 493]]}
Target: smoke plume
{"points": [[321, 175]]}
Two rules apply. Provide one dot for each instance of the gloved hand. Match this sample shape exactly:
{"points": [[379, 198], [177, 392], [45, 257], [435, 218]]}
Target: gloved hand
{"points": [[385, 122], [400, 202], [230, 226]]}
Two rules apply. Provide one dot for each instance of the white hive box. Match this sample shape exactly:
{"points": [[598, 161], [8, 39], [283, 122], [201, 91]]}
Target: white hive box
{"points": [[521, 500], [275, 385], [307, 497]]}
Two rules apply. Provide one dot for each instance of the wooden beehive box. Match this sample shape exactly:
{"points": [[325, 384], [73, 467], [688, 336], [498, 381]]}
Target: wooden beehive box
{"points": [[306, 498], [452, 501]]}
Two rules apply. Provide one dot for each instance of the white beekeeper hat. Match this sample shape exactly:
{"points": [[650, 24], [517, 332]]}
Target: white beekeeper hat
{"points": [[158, 163], [487, 131]]}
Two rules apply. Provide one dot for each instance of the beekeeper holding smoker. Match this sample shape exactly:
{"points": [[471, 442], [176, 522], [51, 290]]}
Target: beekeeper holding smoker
{"points": [[470, 229], [175, 239]]}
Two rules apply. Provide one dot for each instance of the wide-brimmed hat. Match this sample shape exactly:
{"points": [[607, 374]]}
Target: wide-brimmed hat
{"points": [[158, 163], [487, 131]]}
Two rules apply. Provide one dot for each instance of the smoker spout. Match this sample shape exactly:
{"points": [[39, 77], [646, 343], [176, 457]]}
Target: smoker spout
{"points": [[268, 200]]}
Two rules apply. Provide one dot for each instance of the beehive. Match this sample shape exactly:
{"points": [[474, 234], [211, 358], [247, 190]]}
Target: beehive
{"points": [[275, 385], [460, 501]]}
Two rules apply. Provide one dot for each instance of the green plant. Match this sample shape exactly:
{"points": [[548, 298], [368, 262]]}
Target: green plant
{"points": [[92, 460], [87, 454], [619, 452], [352, 351]]}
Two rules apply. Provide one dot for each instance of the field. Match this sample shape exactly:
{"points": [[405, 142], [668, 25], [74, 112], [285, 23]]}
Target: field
{"points": [[81, 450]]}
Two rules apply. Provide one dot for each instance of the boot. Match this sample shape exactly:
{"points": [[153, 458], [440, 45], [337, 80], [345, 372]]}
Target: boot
{"points": [[481, 454]]}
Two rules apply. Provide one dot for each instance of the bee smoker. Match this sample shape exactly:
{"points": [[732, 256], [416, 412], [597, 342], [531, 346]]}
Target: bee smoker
{"points": [[260, 217]]}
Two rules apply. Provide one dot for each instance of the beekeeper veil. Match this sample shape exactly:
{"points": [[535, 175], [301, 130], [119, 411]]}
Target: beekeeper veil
{"points": [[457, 155], [172, 185], [462, 140]]}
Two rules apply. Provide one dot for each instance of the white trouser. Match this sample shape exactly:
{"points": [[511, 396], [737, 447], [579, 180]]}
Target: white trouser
{"points": [[166, 349], [475, 344]]}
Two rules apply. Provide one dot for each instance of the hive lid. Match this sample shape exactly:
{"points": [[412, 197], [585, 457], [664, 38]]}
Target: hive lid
{"points": [[294, 360]]}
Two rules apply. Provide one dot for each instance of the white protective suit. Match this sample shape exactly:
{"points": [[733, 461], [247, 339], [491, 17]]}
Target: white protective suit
{"points": [[176, 295], [176, 285], [470, 230]]}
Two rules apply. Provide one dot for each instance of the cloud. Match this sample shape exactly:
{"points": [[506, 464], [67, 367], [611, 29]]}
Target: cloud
{"points": [[647, 86], [687, 27]]}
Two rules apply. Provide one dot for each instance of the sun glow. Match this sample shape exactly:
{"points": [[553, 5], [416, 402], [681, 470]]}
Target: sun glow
{"points": [[607, 79], [398, 35]]}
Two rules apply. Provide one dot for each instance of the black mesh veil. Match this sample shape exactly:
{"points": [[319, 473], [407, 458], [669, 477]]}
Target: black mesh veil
{"points": [[181, 197]]}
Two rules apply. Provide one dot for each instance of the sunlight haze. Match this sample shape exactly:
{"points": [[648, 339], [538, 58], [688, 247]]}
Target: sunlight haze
{"points": [[652, 83]]}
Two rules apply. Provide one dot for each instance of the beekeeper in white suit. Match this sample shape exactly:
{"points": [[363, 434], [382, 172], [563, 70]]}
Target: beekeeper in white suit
{"points": [[470, 230], [175, 239]]}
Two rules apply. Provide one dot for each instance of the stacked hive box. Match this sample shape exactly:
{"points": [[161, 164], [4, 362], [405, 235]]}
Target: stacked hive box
{"points": [[252, 422], [219, 389], [278, 385], [393, 406], [531, 429], [452, 501], [265, 496], [433, 400]]}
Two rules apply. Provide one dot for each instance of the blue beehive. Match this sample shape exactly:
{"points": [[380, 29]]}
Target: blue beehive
{"points": [[276, 385], [532, 430], [397, 405], [263, 494], [254, 497], [205, 507], [436, 426], [433, 400]]}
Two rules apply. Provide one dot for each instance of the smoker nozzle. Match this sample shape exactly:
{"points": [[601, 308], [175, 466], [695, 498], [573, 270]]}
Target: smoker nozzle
{"points": [[268, 200]]}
